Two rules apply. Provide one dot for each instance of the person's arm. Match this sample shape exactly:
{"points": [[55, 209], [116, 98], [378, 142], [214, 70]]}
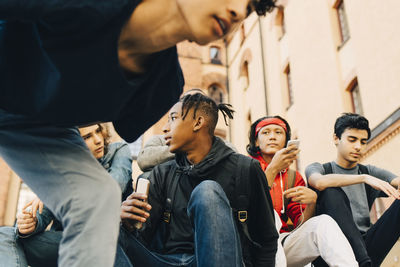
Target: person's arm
{"points": [[42, 220], [320, 181], [396, 183], [60, 16], [302, 206], [302, 202], [121, 167], [31, 10], [133, 209], [26, 224], [281, 160], [261, 221], [154, 152]]}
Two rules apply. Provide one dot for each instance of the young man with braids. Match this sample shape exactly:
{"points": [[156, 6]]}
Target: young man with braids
{"points": [[201, 230], [67, 63]]}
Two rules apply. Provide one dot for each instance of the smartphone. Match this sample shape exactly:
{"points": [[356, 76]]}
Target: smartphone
{"points": [[142, 187], [293, 142]]}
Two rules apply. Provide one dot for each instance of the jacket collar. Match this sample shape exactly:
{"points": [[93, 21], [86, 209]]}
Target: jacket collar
{"points": [[219, 151]]}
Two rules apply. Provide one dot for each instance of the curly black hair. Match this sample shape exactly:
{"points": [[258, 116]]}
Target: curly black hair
{"points": [[263, 6], [252, 148], [203, 103]]}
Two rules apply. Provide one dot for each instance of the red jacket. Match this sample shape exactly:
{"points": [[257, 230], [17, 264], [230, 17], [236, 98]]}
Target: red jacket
{"points": [[293, 210]]}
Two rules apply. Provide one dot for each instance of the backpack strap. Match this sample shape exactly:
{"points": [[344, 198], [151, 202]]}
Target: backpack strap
{"points": [[241, 189], [172, 185], [327, 168], [372, 193], [362, 169], [290, 183], [241, 202]]}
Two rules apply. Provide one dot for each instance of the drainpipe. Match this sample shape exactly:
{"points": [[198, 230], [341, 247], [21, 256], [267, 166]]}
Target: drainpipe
{"points": [[227, 83], [263, 64]]}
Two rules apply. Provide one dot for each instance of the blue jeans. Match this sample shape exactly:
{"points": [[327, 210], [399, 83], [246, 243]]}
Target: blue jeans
{"points": [[42, 249], [38, 250], [11, 252], [57, 165], [216, 239]]}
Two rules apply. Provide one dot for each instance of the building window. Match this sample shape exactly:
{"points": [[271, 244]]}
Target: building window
{"points": [[356, 98], [215, 55], [343, 25], [289, 86], [244, 72], [280, 22], [242, 34], [283, 24], [216, 93]]}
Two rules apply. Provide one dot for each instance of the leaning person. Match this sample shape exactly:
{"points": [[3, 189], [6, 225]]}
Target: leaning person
{"points": [[67, 63]]}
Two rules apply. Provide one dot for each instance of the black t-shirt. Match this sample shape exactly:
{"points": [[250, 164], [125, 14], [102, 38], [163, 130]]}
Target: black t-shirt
{"points": [[59, 65]]}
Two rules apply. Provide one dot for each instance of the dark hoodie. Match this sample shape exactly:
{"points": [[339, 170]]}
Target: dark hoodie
{"points": [[219, 165]]}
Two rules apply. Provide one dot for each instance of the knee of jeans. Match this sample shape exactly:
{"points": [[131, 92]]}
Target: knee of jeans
{"points": [[332, 196], [207, 194]]}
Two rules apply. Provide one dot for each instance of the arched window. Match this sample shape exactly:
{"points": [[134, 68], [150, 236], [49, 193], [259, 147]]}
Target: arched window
{"points": [[354, 90], [216, 93], [244, 72], [242, 34], [343, 25], [280, 22]]}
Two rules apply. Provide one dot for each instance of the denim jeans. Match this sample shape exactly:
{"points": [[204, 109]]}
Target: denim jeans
{"points": [[11, 252], [38, 250], [372, 247], [216, 238], [57, 165], [42, 249]]}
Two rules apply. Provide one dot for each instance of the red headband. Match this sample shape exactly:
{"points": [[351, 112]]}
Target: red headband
{"points": [[269, 121]]}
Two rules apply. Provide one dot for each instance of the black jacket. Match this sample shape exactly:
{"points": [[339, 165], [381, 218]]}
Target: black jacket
{"points": [[219, 165]]}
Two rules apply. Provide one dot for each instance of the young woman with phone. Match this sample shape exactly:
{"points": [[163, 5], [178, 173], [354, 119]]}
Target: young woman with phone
{"points": [[292, 199]]}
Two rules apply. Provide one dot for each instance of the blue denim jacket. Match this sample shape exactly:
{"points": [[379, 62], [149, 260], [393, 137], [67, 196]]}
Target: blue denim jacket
{"points": [[117, 161]]}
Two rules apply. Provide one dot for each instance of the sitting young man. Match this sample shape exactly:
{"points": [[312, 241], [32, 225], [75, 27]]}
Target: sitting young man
{"points": [[313, 236], [198, 190], [348, 190]]}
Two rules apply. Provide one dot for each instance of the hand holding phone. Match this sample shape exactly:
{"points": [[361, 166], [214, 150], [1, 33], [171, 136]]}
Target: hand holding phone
{"points": [[296, 143], [143, 186]]}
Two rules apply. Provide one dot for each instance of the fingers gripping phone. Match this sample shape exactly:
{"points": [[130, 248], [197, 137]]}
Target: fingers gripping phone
{"points": [[143, 188], [293, 142]]}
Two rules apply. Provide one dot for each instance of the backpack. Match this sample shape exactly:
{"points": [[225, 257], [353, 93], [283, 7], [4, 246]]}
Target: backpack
{"points": [[241, 202]]}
